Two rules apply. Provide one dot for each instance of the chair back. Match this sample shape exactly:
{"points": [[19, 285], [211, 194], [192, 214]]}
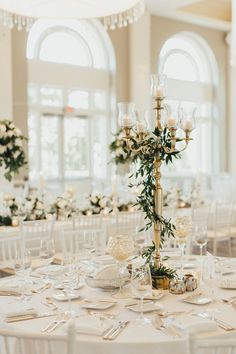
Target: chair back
{"points": [[34, 232], [87, 221], [212, 345], [84, 242], [9, 246], [12, 342]]}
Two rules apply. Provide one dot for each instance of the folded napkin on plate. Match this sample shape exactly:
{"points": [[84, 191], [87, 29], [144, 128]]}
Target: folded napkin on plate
{"points": [[6, 272], [195, 324], [19, 313], [57, 261], [110, 272], [106, 259], [50, 270], [92, 325], [9, 290]]}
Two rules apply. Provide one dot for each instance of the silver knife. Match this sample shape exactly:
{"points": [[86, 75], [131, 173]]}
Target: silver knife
{"points": [[112, 329], [117, 331], [27, 317]]}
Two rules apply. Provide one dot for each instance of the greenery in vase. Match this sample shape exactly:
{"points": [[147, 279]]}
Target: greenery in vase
{"points": [[12, 156], [146, 151]]}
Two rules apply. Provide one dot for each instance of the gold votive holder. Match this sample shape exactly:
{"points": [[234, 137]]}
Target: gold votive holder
{"points": [[160, 282]]}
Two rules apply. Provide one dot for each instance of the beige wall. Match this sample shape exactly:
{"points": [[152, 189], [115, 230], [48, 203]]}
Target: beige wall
{"points": [[161, 30], [120, 41], [5, 74]]}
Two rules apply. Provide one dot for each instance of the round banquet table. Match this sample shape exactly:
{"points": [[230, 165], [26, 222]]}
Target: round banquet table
{"points": [[135, 338]]}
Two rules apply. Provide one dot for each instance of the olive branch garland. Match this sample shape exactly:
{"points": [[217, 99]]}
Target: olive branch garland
{"points": [[154, 145]]}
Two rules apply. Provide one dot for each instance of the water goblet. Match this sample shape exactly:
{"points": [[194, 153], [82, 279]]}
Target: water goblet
{"points": [[47, 252], [22, 266], [120, 247], [141, 283], [183, 227], [200, 237]]}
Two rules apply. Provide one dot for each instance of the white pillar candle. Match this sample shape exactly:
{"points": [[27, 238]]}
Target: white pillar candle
{"points": [[171, 122], [159, 91], [141, 127], [126, 121], [188, 125]]}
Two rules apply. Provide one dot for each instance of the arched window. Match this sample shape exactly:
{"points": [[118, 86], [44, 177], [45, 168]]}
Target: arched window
{"points": [[71, 68], [191, 69]]}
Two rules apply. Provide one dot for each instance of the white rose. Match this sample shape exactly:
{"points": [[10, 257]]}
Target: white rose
{"points": [[10, 133], [103, 202], [18, 142], [94, 199], [61, 204], [39, 205], [38, 212], [17, 132], [11, 125], [29, 205], [96, 210], [16, 154], [10, 203], [2, 128], [32, 217]]}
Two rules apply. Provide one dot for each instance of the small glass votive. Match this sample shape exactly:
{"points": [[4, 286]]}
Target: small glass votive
{"points": [[15, 221], [177, 286], [190, 282]]}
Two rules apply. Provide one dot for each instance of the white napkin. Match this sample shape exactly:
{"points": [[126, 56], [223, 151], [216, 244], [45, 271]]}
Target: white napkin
{"points": [[195, 324], [110, 272], [92, 325], [14, 311], [51, 270], [105, 259]]}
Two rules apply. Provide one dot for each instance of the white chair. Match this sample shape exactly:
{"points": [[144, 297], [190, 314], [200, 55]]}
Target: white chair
{"points": [[9, 245], [34, 232], [12, 342], [87, 221], [212, 345], [221, 226], [83, 242]]}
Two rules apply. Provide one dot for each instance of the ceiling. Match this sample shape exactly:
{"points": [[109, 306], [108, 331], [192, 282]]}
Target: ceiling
{"points": [[210, 13]]}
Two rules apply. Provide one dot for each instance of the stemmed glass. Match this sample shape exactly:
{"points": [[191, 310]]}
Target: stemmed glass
{"points": [[120, 247], [22, 213], [141, 282], [200, 237], [183, 227], [47, 252], [22, 266]]}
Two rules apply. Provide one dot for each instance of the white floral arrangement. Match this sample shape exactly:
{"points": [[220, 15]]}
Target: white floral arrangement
{"points": [[12, 156], [98, 204], [35, 209], [10, 202], [63, 206], [118, 149]]}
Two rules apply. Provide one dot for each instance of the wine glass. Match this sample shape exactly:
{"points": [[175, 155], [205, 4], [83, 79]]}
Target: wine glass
{"points": [[200, 236], [22, 266], [141, 283], [183, 227], [120, 247], [47, 252], [22, 212]]}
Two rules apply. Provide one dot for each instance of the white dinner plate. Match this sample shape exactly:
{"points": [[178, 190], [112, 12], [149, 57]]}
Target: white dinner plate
{"points": [[98, 305], [50, 270], [61, 286], [198, 300], [148, 307], [64, 297]]}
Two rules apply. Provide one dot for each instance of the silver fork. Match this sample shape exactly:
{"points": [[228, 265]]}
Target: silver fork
{"points": [[52, 323], [63, 320]]}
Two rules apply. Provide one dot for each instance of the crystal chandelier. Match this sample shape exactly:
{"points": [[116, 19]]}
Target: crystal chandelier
{"points": [[22, 13]]}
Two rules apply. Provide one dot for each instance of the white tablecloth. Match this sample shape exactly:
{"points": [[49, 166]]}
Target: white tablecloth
{"points": [[134, 339]]}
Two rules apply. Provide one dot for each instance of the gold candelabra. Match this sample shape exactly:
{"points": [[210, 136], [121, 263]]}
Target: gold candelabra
{"points": [[135, 135]]}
